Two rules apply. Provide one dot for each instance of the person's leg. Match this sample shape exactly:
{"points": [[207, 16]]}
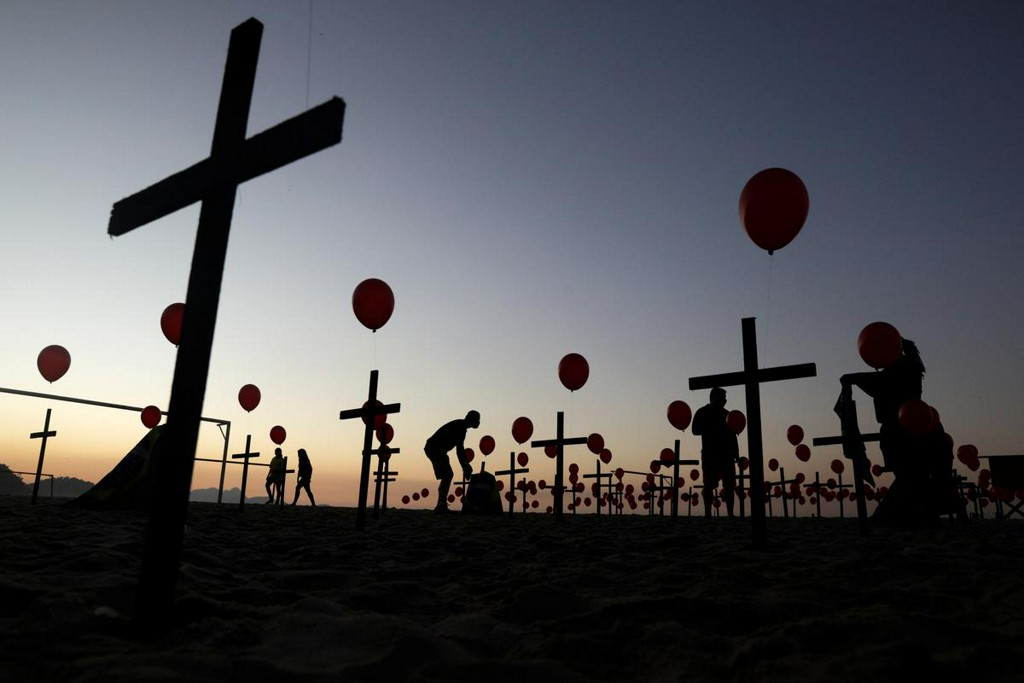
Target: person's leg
{"points": [[309, 492], [729, 484]]}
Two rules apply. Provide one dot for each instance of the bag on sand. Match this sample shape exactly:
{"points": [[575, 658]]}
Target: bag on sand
{"points": [[482, 495]]}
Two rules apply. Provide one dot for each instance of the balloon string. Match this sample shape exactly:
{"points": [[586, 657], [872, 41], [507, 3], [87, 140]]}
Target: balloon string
{"points": [[768, 312]]}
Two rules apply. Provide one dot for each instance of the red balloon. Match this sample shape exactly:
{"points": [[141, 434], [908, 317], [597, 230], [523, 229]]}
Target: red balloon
{"points": [[373, 303], [655, 466], [573, 371], [551, 451], [879, 345], [486, 444], [470, 455], [249, 397], [170, 322], [743, 463], [385, 433], [736, 421], [522, 429], [595, 442], [773, 464], [679, 415], [523, 459], [917, 417], [773, 208], [278, 434], [151, 416], [803, 453], [694, 474], [620, 473], [837, 466], [967, 454], [53, 362], [667, 455], [795, 434], [606, 456], [405, 500], [379, 419], [425, 493], [384, 453]]}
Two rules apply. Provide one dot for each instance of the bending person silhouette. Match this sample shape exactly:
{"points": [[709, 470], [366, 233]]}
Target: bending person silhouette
{"points": [[719, 450], [304, 474], [921, 463], [448, 436]]}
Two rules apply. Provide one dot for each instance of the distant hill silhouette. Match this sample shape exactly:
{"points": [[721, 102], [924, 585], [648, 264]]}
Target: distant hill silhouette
{"points": [[63, 487]]}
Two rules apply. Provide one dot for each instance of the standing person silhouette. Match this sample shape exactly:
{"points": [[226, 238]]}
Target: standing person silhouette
{"points": [[275, 477], [448, 436], [719, 450], [304, 474]]}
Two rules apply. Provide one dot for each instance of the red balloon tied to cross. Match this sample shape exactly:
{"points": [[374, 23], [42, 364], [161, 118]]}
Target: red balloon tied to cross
{"points": [[879, 345], [523, 459], [573, 371], [522, 429], [679, 415], [773, 464], [736, 421], [249, 397], [595, 443], [53, 362], [803, 453], [385, 433], [379, 420], [667, 455], [278, 434], [795, 435], [170, 322], [373, 302], [773, 208], [487, 444], [150, 416], [837, 466], [606, 456], [917, 417]]}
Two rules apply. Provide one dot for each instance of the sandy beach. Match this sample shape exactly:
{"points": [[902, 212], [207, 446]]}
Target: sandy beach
{"points": [[296, 594]]}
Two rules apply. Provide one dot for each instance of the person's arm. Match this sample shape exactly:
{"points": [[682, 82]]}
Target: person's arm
{"points": [[460, 453], [868, 382], [697, 426]]}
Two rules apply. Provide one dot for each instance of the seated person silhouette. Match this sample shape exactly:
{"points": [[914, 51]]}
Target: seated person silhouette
{"points": [[448, 436]]}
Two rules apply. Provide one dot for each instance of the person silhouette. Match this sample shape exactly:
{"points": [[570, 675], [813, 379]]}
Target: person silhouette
{"points": [[275, 477], [304, 474], [921, 464], [719, 450], [448, 436]]}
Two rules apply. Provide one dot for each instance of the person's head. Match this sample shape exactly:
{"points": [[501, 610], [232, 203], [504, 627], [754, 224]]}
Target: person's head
{"points": [[718, 396], [302, 454], [473, 419], [277, 451]]}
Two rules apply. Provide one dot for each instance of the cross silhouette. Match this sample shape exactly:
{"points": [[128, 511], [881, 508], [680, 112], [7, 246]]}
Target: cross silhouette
{"points": [[559, 442], [44, 435], [245, 468], [675, 462], [383, 476], [852, 442], [233, 160], [751, 377], [369, 413], [512, 471]]}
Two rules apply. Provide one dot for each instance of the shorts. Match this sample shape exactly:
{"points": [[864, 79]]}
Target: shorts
{"points": [[442, 466]]}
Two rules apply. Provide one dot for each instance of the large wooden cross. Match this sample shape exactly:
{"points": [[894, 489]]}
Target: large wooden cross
{"points": [[559, 442], [245, 468], [751, 378], [369, 413], [233, 160], [44, 435]]}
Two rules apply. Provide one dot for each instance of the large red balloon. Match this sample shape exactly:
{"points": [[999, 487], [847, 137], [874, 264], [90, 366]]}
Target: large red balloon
{"points": [[150, 416], [795, 434], [170, 322], [679, 414], [879, 345], [53, 362], [249, 397], [773, 208], [735, 421], [595, 442], [278, 434], [373, 303], [522, 429], [803, 453], [573, 371], [487, 444], [606, 456], [917, 417]]}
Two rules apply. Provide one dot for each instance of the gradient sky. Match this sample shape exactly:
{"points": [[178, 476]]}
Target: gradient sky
{"points": [[532, 179]]}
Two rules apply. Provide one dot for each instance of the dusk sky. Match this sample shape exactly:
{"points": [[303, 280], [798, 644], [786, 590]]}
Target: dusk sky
{"points": [[531, 179]]}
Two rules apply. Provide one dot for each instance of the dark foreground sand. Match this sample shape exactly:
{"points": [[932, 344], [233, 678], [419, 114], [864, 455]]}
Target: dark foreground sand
{"points": [[298, 595]]}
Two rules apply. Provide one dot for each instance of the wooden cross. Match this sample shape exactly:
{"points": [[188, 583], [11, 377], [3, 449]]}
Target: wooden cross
{"points": [[383, 476], [599, 478], [511, 472], [44, 435], [675, 462], [245, 468], [559, 442], [751, 378], [781, 483], [369, 412], [233, 160]]}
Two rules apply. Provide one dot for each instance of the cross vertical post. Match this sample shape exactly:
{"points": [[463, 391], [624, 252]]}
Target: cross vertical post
{"points": [[369, 413], [245, 469], [751, 378], [233, 160], [511, 472], [559, 442], [44, 435]]}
